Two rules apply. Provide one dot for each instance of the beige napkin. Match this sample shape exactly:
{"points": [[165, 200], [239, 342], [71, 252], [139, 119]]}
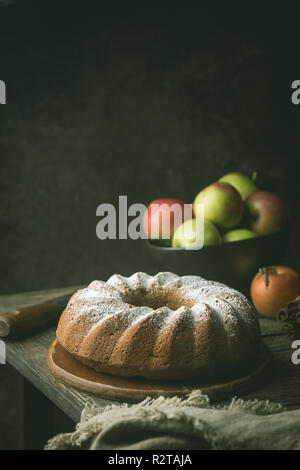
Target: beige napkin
{"points": [[180, 424]]}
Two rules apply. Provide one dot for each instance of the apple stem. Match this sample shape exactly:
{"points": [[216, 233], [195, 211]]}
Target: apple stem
{"points": [[264, 272]]}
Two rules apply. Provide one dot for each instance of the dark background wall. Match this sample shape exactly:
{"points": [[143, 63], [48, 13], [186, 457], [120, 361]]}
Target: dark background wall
{"points": [[145, 101]]}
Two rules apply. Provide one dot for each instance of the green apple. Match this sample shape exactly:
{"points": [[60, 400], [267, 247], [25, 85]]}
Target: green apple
{"points": [[244, 185], [238, 234], [222, 204], [186, 236]]}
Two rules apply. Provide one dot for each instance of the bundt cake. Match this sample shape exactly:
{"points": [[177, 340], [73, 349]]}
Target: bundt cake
{"points": [[160, 327]]}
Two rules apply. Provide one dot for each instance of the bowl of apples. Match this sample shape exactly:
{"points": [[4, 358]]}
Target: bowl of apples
{"points": [[242, 230]]}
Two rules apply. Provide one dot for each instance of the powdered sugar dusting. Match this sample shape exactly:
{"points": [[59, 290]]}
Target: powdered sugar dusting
{"points": [[159, 326], [101, 300], [165, 278], [139, 280]]}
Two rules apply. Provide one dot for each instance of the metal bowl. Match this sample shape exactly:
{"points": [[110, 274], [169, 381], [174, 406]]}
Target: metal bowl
{"points": [[233, 263]]}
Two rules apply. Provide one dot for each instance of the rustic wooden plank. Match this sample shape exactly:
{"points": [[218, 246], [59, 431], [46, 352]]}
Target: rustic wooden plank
{"points": [[284, 384], [28, 356], [270, 327], [24, 299], [284, 390], [278, 343]]}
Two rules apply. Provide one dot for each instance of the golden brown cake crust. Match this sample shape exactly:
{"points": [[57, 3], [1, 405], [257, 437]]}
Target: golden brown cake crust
{"points": [[160, 327]]}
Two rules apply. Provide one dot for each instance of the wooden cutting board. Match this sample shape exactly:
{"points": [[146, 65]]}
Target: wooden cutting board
{"points": [[73, 373]]}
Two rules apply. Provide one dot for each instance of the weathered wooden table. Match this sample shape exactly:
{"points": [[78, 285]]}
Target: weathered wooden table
{"points": [[28, 357]]}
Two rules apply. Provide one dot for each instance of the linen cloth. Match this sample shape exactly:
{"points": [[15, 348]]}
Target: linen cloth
{"points": [[184, 424]]}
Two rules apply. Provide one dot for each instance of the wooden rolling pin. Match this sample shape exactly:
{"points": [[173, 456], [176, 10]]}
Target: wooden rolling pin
{"points": [[27, 319]]}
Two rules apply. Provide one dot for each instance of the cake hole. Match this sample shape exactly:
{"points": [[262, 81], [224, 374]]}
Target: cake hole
{"points": [[157, 300]]}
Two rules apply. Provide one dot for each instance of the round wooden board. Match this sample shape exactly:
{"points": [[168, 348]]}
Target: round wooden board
{"points": [[73, 373]]}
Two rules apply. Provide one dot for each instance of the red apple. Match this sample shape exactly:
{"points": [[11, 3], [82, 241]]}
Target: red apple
{"points": [[273, 287], [266, 213], [160, 221]]}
